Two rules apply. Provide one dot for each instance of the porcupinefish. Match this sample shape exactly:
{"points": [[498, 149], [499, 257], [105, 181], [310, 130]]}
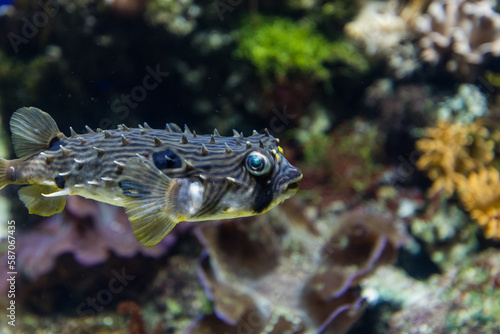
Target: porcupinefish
{"points": [[161, 177]]}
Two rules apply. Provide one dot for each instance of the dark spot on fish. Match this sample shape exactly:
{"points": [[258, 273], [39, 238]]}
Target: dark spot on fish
{"points": [[262, 200], [133, 189], [53, 141], [166, 159], [55, 144], [60, 181]]}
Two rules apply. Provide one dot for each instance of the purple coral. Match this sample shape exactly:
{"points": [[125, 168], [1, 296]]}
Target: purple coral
{"points": [[272, 275], [89, 230]]}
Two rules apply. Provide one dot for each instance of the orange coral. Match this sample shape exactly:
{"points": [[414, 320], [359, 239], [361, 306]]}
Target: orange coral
{"points": [[451, 151], [457, 157], [480, 195]]}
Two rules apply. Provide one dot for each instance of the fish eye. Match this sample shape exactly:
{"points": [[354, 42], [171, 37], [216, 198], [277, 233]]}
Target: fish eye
{"points": [[258, 164]]}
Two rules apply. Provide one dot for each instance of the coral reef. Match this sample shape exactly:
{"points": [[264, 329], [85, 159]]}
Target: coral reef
{"points": [[460, 34], [480, 195], [136, 324], [72, 256], [277, 273], [91, 231], [460, 158], [348, 87], [401, 107], [177, 17], [468, 104], [463, 300], [447, 227], [378, 27], [451, 151], [345, 160], [381, 31]]}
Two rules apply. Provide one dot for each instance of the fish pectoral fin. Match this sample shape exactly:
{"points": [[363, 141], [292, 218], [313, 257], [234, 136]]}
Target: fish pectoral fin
{"points": [[150, 224], [32, 197], [145, 190], [33, 131]]}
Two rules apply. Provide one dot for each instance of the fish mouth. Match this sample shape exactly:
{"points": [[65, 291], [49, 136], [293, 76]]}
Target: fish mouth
{"points": [[286, 189], [292, 186], [289, 189]]}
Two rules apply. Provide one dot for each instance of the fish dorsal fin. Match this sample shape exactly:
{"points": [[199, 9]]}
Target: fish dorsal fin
{"points": [[145, 189], [33, 131], [32, 197]]}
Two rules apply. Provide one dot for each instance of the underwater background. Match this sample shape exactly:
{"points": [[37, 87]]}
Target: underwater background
{"points": [[389, 108]]}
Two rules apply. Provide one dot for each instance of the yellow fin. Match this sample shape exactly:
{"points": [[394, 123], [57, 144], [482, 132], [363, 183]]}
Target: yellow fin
{"points": [[145, 189], [36, 203], [32, 131]]}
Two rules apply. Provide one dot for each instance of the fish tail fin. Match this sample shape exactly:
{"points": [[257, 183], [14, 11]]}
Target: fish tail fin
{"points": [[33, 131], [145, 189], [3, 173]]}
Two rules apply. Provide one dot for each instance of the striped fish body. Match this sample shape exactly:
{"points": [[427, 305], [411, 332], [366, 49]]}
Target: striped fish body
{"points": [[161, 177]]}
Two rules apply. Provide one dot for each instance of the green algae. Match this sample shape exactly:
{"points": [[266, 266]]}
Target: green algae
{"points": [[280, 47]]}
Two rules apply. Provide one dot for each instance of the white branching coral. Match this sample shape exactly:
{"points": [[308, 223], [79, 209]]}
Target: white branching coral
{"points": [[459, 34], [382, 33], [378, 27]]}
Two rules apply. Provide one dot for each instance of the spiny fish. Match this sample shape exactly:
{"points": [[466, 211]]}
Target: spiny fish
{"points": [[161, 177]]}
